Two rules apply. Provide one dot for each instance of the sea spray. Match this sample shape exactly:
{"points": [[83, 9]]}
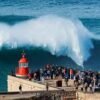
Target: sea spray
{"points": [[58, 35]]}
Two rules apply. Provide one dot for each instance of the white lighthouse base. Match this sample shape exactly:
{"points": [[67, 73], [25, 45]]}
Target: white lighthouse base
{"points": [[21, 76]]}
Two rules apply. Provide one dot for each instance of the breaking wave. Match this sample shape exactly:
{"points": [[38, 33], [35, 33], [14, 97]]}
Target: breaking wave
{"points": [[58, 35]]}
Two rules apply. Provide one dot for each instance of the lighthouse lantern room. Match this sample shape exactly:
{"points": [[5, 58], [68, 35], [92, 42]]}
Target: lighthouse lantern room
{"points": [[23, 69]]}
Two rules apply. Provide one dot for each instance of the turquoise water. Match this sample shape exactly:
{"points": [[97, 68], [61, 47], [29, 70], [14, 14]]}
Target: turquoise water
{"points": [[19, 11]]}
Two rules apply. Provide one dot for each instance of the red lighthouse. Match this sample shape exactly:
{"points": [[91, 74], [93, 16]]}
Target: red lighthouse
{"points": [[23, 69]]}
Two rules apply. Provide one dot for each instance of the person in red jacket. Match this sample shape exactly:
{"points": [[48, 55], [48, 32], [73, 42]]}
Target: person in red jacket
{"points": [[71, 74]]}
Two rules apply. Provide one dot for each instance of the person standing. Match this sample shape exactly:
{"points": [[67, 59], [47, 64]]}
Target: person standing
{"points": [[20, 88], [71, 74], [47, 86]]}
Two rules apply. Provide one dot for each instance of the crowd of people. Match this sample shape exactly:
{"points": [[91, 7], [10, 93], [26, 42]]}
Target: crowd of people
{"points": [[86, 80], [83, 79], [50, 72]]}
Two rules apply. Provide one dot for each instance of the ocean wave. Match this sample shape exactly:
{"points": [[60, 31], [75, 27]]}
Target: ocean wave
{"points": [[56, 34]]}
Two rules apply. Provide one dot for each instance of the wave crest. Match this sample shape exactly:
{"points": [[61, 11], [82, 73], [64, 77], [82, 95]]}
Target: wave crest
{"points": [[58, 35]]}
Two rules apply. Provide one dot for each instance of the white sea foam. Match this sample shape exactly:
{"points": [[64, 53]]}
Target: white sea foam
{"points": [[58, 35]]}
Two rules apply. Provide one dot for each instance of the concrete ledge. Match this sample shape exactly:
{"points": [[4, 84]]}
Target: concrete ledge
{"points": [[14, 83], [34, 94], [88, 96]]}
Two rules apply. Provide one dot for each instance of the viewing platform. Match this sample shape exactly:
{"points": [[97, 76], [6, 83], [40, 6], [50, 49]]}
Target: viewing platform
{"points": [[51, 83], [36, 89]]}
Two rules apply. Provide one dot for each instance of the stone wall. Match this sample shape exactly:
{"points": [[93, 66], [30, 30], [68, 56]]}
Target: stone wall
{"points": [[88, 96], [14, 83]]}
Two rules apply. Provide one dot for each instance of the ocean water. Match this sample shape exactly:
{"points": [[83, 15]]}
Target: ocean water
{"points": [[61, 32]]}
